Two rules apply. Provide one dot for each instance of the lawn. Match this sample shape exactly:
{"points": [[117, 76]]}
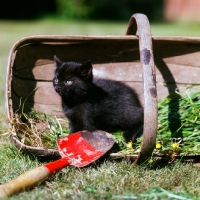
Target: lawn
{"points": [[105, 179]]}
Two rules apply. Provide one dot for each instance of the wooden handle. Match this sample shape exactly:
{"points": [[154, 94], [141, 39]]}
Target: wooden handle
{"points": [[32, 178], [25, 181], [140, 22]]}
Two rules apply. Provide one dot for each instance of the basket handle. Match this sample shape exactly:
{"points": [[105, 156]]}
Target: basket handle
{"points": [[140, 22]]}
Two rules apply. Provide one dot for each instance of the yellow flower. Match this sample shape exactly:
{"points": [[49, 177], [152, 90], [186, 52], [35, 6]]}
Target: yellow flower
{"points": [[150, 160], [175, 145], [158, 145], [130, 145]]}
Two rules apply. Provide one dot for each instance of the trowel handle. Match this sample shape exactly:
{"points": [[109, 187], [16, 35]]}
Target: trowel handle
{"points": [[32, 178]]}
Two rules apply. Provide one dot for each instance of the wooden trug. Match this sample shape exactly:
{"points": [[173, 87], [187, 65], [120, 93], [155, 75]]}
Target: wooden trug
{"points": [[139, 61]]}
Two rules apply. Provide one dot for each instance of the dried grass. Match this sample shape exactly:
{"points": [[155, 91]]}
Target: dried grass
{"points": [[38, 129]]}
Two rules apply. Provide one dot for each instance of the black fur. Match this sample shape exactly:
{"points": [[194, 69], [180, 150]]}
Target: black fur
{"points": [[92, 104]]}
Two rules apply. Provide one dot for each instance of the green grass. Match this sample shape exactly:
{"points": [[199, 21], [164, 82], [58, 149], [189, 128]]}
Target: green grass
{"points": [[105, 180], [112, 179]]}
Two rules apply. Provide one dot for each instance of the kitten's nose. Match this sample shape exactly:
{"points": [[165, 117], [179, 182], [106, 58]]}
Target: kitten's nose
{"points": [[58, 89]]}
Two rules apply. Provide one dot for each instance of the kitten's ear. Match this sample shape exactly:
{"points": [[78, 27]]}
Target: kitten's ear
{"points": [[86, 69], [58, 62]]}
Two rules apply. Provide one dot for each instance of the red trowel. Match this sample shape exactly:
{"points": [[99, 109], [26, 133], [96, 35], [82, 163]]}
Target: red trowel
{"points": [[78, 149]]}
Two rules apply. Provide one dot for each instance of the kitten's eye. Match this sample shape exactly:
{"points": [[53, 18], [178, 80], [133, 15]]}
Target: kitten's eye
{"points": [[68, 82], [56, 81]]}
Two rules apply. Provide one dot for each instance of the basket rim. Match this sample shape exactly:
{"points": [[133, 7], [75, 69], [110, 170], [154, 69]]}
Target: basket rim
{"points": [[37, 151], [54, 154]]}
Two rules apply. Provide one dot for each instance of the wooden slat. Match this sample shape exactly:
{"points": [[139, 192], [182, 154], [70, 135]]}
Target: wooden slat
{"points": [[183, 52], [126, 71], [178, 74], [55, 110], [97, 52], [43, 72], [114, 71], [44, 93]]}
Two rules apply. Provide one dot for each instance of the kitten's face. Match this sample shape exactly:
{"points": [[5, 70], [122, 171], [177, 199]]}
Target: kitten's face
{"points": [[72, 80]]}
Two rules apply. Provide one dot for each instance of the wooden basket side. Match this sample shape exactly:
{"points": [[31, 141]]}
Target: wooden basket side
{"points": [[112, 55], [30, 75]]}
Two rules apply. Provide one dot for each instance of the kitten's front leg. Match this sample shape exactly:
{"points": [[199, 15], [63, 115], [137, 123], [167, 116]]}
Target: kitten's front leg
{"points": [[77, 124], [81, 120], [132, 134], [73, 128], [80, 126]]}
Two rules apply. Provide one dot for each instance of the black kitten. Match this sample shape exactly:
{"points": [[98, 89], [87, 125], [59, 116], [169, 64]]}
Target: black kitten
{"points": [[92, 104]]}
